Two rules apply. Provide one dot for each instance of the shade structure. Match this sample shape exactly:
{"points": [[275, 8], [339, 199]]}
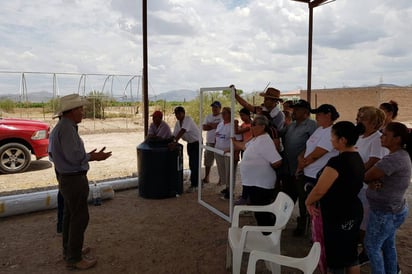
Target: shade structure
{"points": [[311, 4]]}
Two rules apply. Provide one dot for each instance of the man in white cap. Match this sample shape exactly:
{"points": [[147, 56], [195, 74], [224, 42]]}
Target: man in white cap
{"points": [[71, 163]]}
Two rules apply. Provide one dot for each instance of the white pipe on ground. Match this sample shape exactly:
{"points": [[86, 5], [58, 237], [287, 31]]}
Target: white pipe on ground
{"points": [[43, 200], [122, 184]]}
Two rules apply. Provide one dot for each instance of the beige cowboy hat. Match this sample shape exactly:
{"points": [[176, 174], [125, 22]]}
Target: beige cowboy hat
{"points": [[69, 102], [272, 93], [56, 114]]}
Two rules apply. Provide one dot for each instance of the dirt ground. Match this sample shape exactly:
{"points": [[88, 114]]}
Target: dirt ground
{"points": [[130, 234]]}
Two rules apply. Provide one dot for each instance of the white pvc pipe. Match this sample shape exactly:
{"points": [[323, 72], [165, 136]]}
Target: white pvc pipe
{"points": [[122, 184], [43, 200]]}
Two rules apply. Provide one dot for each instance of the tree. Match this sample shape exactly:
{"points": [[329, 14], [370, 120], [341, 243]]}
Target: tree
{"points": [[227, 92], [97, 101]]}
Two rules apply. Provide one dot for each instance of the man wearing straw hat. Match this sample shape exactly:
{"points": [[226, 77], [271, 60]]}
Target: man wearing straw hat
{"points": [[71, 163], [269, 107]]}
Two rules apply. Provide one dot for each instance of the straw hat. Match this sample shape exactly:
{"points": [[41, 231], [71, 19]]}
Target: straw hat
{"points": [[57, 114], [272, 93], [69, 102]]}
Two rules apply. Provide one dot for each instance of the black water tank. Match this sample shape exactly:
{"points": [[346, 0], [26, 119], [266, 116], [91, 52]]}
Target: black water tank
{"points": [[160, 170]]}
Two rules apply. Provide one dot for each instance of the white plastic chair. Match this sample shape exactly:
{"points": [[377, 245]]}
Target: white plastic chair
{"points": [[307, 264], [248, 238]]}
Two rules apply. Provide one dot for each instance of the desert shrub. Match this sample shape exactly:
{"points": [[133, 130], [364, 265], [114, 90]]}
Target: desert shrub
{"points": [[224, 97], [7, 105], [97, 101]]}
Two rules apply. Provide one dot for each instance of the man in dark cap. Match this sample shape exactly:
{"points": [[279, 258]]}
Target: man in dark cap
{"points": [[294, 138]]}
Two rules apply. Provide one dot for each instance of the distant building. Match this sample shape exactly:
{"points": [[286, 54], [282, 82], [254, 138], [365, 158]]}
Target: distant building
{"points": [[348, 100]]}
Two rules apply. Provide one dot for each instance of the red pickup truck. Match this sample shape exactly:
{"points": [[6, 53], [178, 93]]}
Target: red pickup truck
{"points": [[18, 140]]}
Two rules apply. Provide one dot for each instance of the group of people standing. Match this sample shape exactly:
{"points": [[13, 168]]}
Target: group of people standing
{"points": [[353, 176]]}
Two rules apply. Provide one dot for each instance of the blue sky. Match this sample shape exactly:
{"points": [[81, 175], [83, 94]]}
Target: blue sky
{"points": [[195, 44]]}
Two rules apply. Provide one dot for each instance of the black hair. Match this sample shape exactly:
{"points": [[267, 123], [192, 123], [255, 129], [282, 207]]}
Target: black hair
{"points": [[399, 129], [245, 111], [179, 109], [346, 130], [391, 106]]}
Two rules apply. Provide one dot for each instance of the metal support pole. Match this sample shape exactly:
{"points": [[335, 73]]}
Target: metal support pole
{"points": [[309, 81], [145, 70]]}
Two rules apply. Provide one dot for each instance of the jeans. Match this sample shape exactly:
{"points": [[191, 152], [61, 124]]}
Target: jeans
{"points": [[380, 240]]}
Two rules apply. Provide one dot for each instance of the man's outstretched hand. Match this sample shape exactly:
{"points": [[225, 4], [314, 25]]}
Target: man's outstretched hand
{"points": [[100, 155]]}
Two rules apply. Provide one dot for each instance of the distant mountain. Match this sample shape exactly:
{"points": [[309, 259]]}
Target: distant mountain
{"points": [[383, 85], [179, 95], [44, 96], [34, 97], [38, 97]]}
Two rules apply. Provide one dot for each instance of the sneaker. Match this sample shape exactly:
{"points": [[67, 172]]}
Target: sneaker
{"points": [[225, 196], [191, 189], [363, 258], [82, 265], [241, 201], [399, 271], [224, 191]]}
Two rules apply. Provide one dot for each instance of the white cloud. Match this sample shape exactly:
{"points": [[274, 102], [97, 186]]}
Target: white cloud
{"points": [[194, 43]]}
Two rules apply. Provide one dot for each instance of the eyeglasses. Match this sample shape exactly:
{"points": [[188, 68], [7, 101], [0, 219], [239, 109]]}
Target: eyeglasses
{"points": [[255, 124]]}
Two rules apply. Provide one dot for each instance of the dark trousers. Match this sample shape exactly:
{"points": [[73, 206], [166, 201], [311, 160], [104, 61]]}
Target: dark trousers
{"points": [[290, 187], [303, 193], [245, 192], [193, 153], [60, 209], [262, 196], [75, 190]]}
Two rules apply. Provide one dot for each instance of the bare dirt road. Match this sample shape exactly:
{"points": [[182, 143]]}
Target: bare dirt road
{"points": [[123, 163]]}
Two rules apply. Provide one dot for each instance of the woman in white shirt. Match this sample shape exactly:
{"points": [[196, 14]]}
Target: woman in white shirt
{"points": [[371, 151], [318, 151], [222, 142], [257, 172]]}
